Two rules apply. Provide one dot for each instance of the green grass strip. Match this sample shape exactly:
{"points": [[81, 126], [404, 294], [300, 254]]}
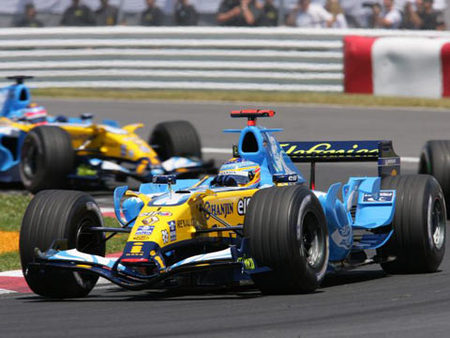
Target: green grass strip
{"points": [[12, 208], [245, 96], [9, 261]]}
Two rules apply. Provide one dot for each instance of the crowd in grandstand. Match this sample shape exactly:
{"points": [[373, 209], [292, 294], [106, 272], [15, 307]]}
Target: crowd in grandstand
{"points": [[389, 14]]}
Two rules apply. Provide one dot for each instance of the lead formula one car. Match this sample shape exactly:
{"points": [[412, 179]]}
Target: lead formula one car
{"points": [[257, 220], [47, 152]]}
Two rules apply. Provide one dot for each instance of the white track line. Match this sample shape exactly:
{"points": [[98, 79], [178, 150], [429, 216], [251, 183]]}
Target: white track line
{"points": [[410, 159], [106, 210], [229, 151], [217, 150], [12, 273]]}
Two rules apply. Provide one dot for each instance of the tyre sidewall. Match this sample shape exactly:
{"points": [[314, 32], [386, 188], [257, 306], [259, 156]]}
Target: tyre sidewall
{"points": [[412, 243], [307, 207], [32, 140], [434, 255], [274, 225], [42, 225]]}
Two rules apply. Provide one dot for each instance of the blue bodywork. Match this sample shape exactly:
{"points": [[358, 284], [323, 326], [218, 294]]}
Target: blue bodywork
{"points": [[13, 99], [373, 208]]}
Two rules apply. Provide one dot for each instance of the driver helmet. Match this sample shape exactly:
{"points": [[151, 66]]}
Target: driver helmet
{"points": [[35, 114], [238, 173]]}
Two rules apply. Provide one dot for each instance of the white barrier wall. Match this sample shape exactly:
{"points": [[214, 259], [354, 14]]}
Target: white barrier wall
{"points": [[175, 57], [281, 59], [407, 67], [397, 66]]}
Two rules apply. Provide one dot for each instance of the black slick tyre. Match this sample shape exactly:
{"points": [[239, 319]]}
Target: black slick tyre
{"points": [[435, 161], [176, 138], [60, 215], [418, 242], [287, 232], [46, 158]]}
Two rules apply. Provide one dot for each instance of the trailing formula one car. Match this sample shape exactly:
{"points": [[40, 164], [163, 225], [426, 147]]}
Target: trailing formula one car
{"points": [[435, 160], [256, 220], [45, 152]]}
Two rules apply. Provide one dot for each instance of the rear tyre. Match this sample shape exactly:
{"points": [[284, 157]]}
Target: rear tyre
{"points": [[46, 158], [176, 138], [435, 161], [54, 215], [418, 241], [287, 232]]}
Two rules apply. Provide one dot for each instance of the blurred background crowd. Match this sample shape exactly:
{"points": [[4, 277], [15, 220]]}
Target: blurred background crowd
{"points": [[389, 14]]}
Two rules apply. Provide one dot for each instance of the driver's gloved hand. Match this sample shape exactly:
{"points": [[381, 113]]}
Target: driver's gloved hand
{"points": [[230, 182]]}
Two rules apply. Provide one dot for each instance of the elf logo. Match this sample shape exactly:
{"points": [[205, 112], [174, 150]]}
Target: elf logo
{"points": [[243, 205]]}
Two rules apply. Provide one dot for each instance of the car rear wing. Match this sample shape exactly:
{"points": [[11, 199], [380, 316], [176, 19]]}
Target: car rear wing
{"points": [[345, 151]]}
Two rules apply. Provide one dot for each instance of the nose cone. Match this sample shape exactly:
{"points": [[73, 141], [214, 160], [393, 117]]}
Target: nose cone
{"points": [[154, 226]]}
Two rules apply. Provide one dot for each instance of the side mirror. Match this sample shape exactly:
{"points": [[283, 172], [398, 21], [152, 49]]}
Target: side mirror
{"points": [[87, 116], [285, 178], [164, 179]]}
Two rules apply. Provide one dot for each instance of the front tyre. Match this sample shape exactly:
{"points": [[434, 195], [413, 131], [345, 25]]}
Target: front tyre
{"points": [[54, 215], [418, 241], [287, 232]]}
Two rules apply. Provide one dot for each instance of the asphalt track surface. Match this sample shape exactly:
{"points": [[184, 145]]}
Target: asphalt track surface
{"points": [[360, 302]]}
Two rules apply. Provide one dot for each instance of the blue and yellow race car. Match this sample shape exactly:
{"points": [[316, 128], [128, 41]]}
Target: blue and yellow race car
{"points": [[257, 220], [48, 152]]}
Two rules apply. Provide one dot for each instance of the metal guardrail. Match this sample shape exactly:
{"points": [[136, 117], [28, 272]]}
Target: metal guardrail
{"points": [[285, 59]]}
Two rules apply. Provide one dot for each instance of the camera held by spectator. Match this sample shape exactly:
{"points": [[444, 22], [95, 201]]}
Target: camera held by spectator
{"points": [[334, 7], [238, 13], [386, 17]]}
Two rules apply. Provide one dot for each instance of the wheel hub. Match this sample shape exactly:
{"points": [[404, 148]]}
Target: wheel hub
{"points": [[436, 224]]}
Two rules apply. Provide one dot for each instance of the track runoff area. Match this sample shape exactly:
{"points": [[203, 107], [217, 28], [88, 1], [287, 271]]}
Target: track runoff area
{"points": [[364, 300]]}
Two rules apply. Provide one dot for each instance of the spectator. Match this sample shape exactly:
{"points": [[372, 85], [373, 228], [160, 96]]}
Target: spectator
{"points": [[430, 18], [334, 7], [311, 15], [152, 16], [106, 15], [29, 18], [411, 19], [185, 14], [238, 13], [269, 14], [78, 15], [389, 17]]}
